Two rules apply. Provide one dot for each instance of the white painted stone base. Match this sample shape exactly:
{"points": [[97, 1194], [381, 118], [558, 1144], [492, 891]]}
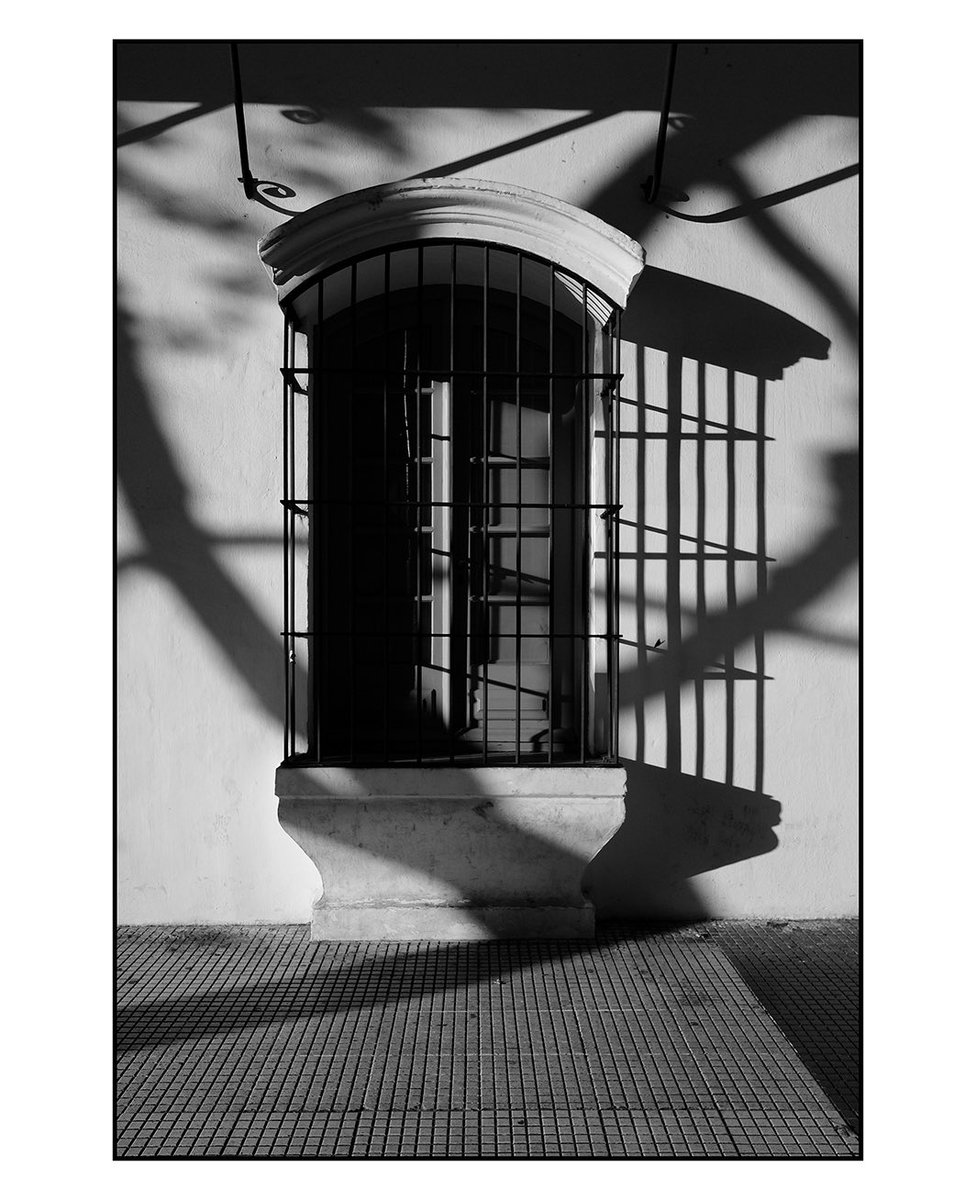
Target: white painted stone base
{"points": [[447, 923], [451, 854]]}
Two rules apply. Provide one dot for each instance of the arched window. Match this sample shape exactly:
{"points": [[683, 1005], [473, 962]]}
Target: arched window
{"points": [[451, 483]]}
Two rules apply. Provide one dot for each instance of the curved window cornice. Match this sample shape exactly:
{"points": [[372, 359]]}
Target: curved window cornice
{"points": [[416, 210]]}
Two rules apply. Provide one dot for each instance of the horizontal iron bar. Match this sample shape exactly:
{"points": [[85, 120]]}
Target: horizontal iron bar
{"points": [[561, 759], [498, 460], [394, 598], [447, 373], [526, 531], [510, 602], [451, 637], [346, 503], [291, 378]]}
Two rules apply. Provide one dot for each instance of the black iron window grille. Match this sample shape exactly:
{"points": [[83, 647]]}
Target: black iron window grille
{"points": [[450, 566]]}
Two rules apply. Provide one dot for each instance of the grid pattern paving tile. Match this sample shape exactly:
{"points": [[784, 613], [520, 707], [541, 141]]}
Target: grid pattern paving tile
{"points": [[253, 1042], [807, 976]]}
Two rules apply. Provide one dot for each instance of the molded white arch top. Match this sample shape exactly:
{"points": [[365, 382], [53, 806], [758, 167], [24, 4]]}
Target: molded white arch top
{"points": [[474, 209]]}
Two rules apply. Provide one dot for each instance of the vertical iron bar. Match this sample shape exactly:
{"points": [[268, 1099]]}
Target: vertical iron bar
{"points": [[386, 508], [615, 694], [291, 538], [552, 512], [761, 580], [317, 412], [518, 512], [587, 613], [452, 408], [610, 523], [470, 544], [484, 508], [350, 516], [418, 492], [287, 640]]}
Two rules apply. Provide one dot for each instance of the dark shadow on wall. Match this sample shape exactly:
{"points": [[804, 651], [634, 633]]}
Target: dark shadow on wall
{"points": [[687, 318], [677, 826], [177, 549], [732, 97], [684, 817], [735, 96], [175, 546]]}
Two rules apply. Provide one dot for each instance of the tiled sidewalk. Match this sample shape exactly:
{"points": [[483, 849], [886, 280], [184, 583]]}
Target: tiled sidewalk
{"points": [[249, 1041]]}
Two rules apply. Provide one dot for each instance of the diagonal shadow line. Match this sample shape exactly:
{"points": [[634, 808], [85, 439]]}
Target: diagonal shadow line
{"points": [[176, 546], [183, 554], [792, 253], [790, 589], [184, 527], [254, 541], [641, 223], [523, 143], [356, 984], [752, 206], [142, 133]]}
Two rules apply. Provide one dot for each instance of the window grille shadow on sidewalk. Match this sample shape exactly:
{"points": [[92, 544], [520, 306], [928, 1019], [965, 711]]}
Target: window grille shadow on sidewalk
{"points": [[642, 1043]]}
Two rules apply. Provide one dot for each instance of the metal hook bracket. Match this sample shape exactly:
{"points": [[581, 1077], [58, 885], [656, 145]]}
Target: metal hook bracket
{"points": [[253, 187]]}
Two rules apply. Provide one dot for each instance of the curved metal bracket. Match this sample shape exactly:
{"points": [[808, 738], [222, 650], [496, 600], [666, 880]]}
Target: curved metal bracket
{"points": [[252, 186]]}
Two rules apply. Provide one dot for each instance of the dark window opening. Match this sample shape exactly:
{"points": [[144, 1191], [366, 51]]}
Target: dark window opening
{"points": [[461, 459]]}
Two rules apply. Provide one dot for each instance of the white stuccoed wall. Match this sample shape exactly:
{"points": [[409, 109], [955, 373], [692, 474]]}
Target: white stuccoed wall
{"points": [[199, 451]]}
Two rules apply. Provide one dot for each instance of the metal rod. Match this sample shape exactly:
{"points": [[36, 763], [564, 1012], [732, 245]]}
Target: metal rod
{"points": [[472, 372], [610, 442], [291, 537], [730, 584], [585, 424], [365, 633], [419, 494], [288, 644], [550, 484], [386, 507], [247, 179], [652, 185], [252, 186], [615, 697], [518, 513], [318, 546], [453, 407], [485, 451], [350, 527], [577, 506]]}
